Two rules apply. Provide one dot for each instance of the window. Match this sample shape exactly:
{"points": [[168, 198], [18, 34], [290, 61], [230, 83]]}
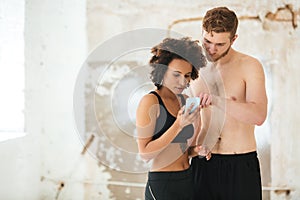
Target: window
{"points": [[11, 69]]}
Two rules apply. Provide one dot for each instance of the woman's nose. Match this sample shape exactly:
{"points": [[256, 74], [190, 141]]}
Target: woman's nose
{"points": [[183, 81]]}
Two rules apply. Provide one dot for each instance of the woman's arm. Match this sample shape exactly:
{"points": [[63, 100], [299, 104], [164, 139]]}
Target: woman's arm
{"points": [[146, 115]]}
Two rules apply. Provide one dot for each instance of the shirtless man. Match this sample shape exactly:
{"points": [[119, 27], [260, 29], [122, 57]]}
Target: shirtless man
{"points": [[236, 84]]}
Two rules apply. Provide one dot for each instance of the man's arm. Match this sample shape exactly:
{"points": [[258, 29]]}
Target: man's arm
{"points": [[254, 109]]}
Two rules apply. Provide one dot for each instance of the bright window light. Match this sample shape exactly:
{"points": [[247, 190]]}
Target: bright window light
{"points": [[11, 69]]}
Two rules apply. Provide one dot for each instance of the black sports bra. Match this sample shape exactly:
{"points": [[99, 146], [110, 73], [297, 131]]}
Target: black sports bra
{"points": [[165, 121]]}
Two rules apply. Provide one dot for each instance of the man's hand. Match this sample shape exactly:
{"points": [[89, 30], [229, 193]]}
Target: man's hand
{"points": [[206, 99], [199, 150]]}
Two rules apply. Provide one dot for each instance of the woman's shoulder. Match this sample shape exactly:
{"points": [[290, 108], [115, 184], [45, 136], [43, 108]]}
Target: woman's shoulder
{"points": [[149, 99]]}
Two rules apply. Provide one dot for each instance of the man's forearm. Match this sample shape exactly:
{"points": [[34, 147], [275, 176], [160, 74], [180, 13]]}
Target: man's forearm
{"points": [[247, 112]]}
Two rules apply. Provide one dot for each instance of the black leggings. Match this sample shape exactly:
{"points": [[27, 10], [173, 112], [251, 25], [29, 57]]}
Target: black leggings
{"points": [[176, 185], [224, 177]]}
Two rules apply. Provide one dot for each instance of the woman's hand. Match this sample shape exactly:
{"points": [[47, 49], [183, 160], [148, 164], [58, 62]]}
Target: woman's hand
{"points": [[186, 118]]}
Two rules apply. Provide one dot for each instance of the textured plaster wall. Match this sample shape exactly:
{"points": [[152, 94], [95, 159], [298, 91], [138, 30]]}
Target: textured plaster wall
{"points": [[48, 162], [268, 30]]}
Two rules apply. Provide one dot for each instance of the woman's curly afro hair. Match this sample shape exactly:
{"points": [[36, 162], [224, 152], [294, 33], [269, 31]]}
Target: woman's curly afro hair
{"points": [[170, 49]]}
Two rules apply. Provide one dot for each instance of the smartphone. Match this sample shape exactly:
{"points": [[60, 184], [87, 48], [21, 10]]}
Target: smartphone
{"points": [[192, 100]]}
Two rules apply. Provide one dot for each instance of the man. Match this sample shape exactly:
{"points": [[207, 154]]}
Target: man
{"points": [[236, 84]]}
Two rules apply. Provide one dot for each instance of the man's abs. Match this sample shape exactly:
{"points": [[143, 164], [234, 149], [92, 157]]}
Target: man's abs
{"points": [[235, 142]]}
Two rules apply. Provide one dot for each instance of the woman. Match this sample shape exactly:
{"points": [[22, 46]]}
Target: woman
{"points": [[164, 130]]}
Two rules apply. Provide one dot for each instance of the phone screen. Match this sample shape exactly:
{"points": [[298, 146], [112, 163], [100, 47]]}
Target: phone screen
{"points": [[190, 101]]}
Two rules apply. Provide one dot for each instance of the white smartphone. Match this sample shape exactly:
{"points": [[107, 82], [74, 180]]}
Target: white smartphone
{"points": [[189, 101]]}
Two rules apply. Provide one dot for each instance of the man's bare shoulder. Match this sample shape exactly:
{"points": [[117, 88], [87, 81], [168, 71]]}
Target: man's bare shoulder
{"points": [[246, 59], [205, 70], [249, 64], [197, 85]]}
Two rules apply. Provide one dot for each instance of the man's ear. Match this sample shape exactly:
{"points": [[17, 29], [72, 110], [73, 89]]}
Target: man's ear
{"points": [[234, 38]]}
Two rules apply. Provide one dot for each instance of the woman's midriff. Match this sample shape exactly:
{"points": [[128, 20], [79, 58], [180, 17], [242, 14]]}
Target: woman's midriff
{"points": [[182, 163]]}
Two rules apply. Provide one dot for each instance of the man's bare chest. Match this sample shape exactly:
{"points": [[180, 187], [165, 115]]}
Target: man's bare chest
{"points": [[228, 85]]}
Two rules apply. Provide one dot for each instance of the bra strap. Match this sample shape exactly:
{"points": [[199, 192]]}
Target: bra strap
{"points": [[182, 99], [161, 102], [158, 97]]}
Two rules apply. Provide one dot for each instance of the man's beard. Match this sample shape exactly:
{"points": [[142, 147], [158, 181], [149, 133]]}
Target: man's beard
{"points": [[210, 59]]}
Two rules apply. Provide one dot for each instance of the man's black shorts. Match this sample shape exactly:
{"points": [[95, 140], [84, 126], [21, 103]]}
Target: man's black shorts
{"points": [[227, 177]]}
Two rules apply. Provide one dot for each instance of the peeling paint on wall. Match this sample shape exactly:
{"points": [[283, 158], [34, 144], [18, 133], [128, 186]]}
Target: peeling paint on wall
{"points": [[262, 23]]}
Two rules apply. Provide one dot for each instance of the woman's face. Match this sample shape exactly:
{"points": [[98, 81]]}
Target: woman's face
{"points": [[177, 76]]}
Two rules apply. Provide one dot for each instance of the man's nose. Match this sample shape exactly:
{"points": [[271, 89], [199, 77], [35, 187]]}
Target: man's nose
{"points": [[212, 48]]}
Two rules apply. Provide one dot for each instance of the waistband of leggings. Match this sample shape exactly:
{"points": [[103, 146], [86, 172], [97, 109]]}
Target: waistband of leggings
{"points": [[241, 156], [169, 175]]}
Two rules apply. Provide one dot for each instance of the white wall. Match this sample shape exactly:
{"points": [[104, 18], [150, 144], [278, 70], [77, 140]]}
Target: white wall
{"points": [[34, 166], [55, 50], [58, 36]]}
